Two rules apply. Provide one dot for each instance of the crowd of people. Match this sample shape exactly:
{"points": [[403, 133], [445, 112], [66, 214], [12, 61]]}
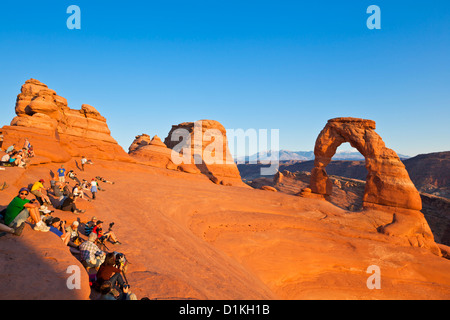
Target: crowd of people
{"points": [[17, 157], [90, 244]]}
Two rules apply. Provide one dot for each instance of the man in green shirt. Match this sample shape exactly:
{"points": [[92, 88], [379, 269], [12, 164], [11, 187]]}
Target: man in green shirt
{"points": [[20, 209]]}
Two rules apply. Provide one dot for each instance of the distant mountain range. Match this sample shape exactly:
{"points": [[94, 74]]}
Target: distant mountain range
{"points": [[286, 155]]}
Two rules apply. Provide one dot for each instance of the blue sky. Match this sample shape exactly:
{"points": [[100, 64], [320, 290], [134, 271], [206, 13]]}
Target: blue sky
{"points": [[287, 65]]}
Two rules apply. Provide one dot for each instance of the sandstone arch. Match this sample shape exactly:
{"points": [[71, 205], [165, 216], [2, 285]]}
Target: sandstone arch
{"points": [[387, 182], [388, 186]]}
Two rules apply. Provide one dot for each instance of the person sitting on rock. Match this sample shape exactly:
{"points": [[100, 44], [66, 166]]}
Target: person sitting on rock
{"points": [[11, 148], [57, 190], [5, 159], [38, 190], [17, 231], [26, 144], [68, 204], [91, 255], [89, 226], [104, 180], [66, 188], [109, 235], [110, 271], [17, 159], [75, 239], [20, 209], [106, 290], [31, 152], [78, 192], [72, 175], [58, 227]]}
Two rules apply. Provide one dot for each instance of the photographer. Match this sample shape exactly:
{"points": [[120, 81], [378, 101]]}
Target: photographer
{"points": [[58, 227], [109, 235], [75, 239], [110, 270]]}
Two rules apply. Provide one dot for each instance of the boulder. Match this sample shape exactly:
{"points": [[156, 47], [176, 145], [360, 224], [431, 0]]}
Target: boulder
{"points": [[269, 188], [204, 144], [58, 132], [152, 151]]}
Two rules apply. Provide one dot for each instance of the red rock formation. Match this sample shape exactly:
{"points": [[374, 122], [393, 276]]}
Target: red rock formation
{"points": [[388, 182], [388, 186], [153, 152], [139, 141], [204, 146], [58, 132]]}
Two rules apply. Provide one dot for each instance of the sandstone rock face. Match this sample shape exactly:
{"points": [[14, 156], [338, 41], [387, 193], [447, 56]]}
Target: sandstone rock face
{"points": [[388, 186], [139, 141], [152, 151], [387, 182], [203, 145], [58, 132]]}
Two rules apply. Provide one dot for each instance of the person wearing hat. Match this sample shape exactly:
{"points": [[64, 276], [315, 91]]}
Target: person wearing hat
{"points": [[58, 227], [75, 239], [38, 190], [90, 225], [109, 235], [20, 209]]}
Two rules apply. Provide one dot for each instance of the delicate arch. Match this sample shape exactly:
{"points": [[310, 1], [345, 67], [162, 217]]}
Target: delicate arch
{"points": [[387, 182]]}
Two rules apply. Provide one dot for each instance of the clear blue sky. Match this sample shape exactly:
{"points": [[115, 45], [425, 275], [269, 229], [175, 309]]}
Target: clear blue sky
{"points": [[287, 65]]}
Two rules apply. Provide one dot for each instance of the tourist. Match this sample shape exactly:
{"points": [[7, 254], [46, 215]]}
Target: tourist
{"points": [[17, 231], [83, 162], [58, 227], [66, 189], [72, 175], [93, 188], [109, 235], [91, 255], [26, 145], [38, 190], [16, 158], [104, 180], [31, 152], [20, 209], [89, 226], [5, 158], [68, 204], [11, 148], [78, 192], [75, 239], [62, 174], [111, 271]]}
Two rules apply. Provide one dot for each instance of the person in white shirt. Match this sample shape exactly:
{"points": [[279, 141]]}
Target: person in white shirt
{"points": [[93, 188]]}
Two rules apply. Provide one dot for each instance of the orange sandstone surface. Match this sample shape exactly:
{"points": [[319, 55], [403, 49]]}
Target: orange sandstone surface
{"points": [[188, 238], [203, 234]]}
